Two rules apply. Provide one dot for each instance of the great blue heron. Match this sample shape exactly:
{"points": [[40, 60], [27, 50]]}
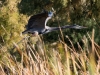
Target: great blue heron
{"points": [[37, 24]]}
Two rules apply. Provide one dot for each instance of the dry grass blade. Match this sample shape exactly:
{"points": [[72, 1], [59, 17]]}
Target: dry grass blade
{"points": [[61, 59]]}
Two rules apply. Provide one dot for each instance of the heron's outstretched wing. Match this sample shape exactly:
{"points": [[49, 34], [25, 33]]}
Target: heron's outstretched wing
{"points": [[36, 22], [50, 29]]}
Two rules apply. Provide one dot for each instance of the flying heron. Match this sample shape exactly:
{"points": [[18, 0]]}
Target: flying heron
{"points": [[37, 24]]}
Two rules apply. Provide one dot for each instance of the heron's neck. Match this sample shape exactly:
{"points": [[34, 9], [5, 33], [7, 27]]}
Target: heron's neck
{"points": [[47, 20]]}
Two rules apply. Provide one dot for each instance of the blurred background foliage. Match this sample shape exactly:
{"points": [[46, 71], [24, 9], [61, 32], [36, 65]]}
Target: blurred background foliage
{"points": [[14, 15]]}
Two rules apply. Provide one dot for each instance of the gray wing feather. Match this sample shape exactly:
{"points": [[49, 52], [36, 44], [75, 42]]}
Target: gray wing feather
{"points": [[36, 23]]}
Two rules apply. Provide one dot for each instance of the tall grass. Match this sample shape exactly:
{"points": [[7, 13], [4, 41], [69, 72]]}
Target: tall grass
{"points": [[51, 59]]}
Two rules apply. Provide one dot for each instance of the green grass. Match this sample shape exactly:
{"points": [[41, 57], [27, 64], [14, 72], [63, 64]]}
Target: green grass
{"points": [[51, 59]]}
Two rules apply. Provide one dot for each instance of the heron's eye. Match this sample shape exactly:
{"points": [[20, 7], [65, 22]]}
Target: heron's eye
{"points": [[50, 14]]}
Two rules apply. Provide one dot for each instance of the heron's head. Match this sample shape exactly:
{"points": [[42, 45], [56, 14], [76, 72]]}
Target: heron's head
{"points": [[50, 14]]}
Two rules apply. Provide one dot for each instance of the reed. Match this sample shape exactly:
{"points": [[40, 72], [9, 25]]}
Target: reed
{"points": [[51, 59]]}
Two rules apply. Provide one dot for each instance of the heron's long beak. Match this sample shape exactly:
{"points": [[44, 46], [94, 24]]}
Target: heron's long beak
{"points": [[54, 12]]}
